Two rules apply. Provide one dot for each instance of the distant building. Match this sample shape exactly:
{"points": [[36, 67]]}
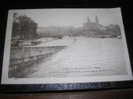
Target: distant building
{"points": [[93, 25]]}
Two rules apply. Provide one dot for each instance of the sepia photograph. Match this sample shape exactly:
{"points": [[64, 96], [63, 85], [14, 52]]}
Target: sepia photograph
{"points": [[65, 46]]}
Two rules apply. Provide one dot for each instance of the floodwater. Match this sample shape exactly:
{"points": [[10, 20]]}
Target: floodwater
{"points": [[83, 56]]}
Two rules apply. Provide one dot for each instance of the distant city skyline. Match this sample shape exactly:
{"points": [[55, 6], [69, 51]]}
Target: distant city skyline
{"points": [[71, 17]]}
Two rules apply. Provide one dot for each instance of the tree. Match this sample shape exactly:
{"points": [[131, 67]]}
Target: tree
{"points": [[16, 26], [24, 27], [113, 30]]}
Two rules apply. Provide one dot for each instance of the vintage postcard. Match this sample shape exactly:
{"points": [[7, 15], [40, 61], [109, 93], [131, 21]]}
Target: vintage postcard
{"points": [[46, 46]]}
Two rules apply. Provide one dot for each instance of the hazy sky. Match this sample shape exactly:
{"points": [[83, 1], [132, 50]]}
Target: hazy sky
{"points": [[71, 17]]}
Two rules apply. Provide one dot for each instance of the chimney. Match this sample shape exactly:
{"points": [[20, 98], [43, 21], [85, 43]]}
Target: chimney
{"points": [[97, 20], [88, 20]]}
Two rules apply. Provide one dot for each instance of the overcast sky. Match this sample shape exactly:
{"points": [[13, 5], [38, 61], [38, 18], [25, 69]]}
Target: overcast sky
{"points": [[71, 17]]}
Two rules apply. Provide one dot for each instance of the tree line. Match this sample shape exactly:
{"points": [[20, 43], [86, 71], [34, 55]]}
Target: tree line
{"points": [[108, 31]]}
